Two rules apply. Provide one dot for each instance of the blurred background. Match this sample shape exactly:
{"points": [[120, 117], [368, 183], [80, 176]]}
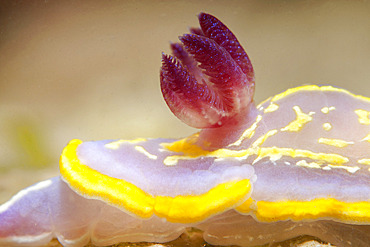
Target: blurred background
{"points": [[90, 69]]}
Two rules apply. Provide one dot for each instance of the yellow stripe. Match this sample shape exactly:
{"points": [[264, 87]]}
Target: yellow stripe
{"points": [[142, 150], [363, 116], [334, 142], [366, 138], [263, 138], [364, 161], [350, 169], [114, 191], [304, 163], [275, 153], [326, 109], [245, 207], [192, 151], [299, 122], [133, 200], [116, 144], [271, 108], [187, 209], [358, 212], [317, 88], [248, 133], [327, 126]]}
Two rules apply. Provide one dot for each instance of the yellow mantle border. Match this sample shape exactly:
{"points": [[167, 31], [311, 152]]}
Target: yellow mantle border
{"points": [[135, 201]]}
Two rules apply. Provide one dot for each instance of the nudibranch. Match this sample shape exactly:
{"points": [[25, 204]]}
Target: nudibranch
{"points": [[296, 164]]}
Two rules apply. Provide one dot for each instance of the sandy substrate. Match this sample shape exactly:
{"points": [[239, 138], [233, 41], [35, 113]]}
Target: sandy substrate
{"points": [[193, 238]]}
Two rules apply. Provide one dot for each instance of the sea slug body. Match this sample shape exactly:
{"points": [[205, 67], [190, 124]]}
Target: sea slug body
{"points": [[252, 175]]}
